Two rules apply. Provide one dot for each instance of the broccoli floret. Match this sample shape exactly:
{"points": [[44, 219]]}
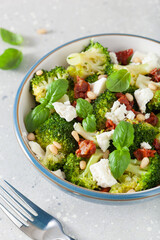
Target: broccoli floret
{"points": [[92, 78], [81, 177], [93, 59], [143, 132], [70, 91], [137, 178], [158, 124], [101, 105], [56, 129], [39, 83], [131, 90], [51, 161], [154, 104]]}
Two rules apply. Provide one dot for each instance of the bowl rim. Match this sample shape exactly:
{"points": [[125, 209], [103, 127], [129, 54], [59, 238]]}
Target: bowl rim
{"points": [[65, 185]]}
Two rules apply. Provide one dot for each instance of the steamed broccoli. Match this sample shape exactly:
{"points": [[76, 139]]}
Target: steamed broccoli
{"points": [[56, 129], [81, 177], [101, 105], [93, 59], [92, 78], [39, 83], [143, 132], [137, 178], [154, 104], [51, 161]]}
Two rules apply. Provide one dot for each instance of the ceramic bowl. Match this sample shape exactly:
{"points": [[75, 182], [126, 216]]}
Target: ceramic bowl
{"points": [[24, 102]]}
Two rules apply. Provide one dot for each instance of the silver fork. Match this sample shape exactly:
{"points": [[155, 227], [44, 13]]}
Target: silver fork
{"points": [[28, 217]]}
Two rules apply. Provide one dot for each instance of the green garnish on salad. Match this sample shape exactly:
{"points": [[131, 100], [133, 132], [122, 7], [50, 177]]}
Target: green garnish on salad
{"points": [[96, 123]]}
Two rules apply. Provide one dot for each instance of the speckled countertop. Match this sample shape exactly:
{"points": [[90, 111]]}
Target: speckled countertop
{"points": [[65, 20]]}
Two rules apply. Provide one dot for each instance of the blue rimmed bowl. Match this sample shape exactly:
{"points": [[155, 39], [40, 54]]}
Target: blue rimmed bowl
{"points": [[24, 102]]}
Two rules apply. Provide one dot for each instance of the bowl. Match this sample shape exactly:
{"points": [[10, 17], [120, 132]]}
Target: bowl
{"points": [[24, 102]]}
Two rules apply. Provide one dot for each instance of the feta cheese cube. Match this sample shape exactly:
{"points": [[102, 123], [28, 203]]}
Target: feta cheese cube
{"points": [[65, 111], [145, 145], [59, 173], [102, 174], [99, 86], [113, 57], [103, 139], [143, 96]]}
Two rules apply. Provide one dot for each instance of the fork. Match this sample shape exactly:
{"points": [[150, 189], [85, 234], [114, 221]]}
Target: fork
{"points": [[28, 217]]}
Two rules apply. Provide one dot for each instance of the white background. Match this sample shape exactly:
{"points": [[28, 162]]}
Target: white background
{"points": [[66, 20]]}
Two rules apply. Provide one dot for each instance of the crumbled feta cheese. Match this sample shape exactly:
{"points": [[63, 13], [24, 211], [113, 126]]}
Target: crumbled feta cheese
{"points": [[143, 96], [65, 111], [103, 139], [59, 173], [99, 86], [119, 113], [147, 115], [36, 148], [113, 57], [145, 145], [102, 174]]}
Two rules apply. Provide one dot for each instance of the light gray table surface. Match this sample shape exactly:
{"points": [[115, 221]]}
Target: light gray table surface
{"points": [[66, 20]]}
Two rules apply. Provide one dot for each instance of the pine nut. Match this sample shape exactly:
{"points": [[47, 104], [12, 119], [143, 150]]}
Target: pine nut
{"points": [[31, 136], [106, 154], [57, 145], [140, 117], [88, 100], [131, 191], [129, 97], [102, 76], [144, 162], [152, 86], [39, 72], [53, 149], [82, 165], [75, 135], [91, 95], [41, 31], [137, 60]]}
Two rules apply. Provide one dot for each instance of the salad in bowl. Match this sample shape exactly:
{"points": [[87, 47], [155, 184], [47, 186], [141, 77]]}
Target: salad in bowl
{"points": [[96, 121]]}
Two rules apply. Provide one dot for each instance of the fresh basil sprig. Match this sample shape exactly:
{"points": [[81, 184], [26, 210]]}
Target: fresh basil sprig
{"points": [[11, 58], [83, 108], [89, 123], [118, 81], [40, 113], [10, 37], [122, 139]]}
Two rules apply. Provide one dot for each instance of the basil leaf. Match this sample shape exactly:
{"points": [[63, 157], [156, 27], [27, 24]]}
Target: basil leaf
{"points": [[119, 81], [55, 91], [89, 123], [118, 161], [11, 58], [10, 37], [123, 135], [36, 117], [83, 108]]}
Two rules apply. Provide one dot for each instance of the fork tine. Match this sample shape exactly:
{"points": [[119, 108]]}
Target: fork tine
{"points": [[18, 203], [14, 219], [14, 208], [25, 199]]}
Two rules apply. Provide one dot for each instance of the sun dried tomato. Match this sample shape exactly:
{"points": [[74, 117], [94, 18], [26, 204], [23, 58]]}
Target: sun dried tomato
{"points": [[141, 153], [123, 57], [110, 125], [107, 189], [155, 75], [153, 119], [124, 100], [81, 88], [86, 148], [156, 144]]}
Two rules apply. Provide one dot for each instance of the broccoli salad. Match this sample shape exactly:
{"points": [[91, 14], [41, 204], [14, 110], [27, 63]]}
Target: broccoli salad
{"points": [[96, 123]]}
